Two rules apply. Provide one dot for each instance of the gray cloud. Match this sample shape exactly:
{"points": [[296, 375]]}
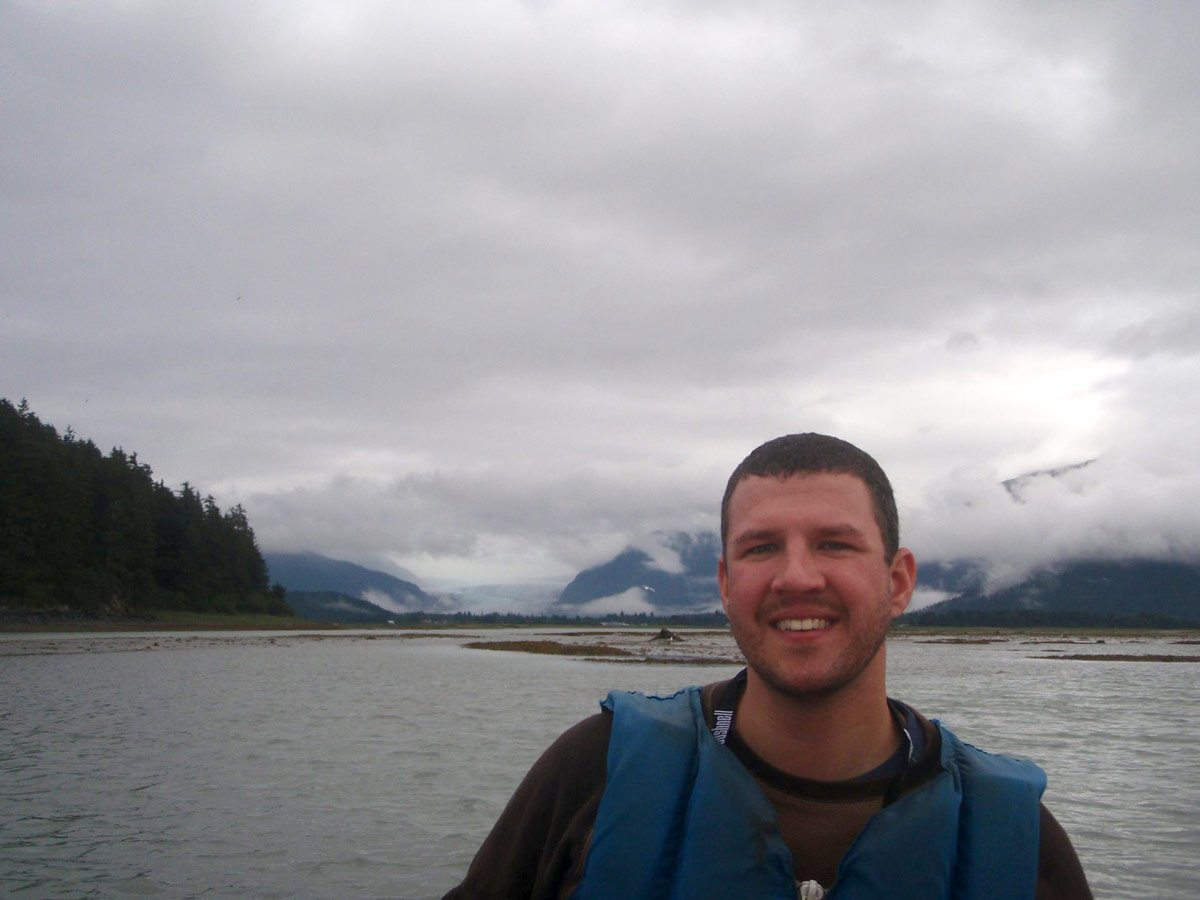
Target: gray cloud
{"points": [[506, 283]]}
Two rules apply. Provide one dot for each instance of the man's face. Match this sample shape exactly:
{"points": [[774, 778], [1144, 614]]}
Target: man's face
{"points": [[804, 581]]}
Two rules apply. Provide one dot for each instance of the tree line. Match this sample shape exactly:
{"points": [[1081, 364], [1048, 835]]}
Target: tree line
{"points": [[714, 619], [1042, 618], [94, 533]]}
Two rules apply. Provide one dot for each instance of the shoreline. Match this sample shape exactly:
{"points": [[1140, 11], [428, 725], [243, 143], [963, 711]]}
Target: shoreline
{"points": [[181, 621], [701, 646], [158, 621]]}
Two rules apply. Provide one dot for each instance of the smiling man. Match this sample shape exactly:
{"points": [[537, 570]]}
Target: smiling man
{"points": [[799, 777]]}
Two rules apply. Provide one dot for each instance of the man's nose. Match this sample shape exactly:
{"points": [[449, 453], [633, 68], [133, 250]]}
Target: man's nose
{"points": [[800, 572]]}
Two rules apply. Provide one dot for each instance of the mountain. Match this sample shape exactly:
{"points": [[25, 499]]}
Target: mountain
{"points": [[1018, 486], [674, 572], [1098, 590], [309, 572], [332, 607], [677, 572], [1151, 591]]}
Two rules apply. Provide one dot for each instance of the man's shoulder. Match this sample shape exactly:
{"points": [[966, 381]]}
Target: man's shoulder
{"points": [[581, 746], [1060, 874], [538, 845], [574, 766], [582, 749]]}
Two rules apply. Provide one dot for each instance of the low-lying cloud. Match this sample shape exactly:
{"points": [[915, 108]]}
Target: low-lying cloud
{"points": [[490, 289]]}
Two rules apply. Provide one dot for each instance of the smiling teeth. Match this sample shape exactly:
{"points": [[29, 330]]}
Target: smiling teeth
{"points": [[802, 624]]}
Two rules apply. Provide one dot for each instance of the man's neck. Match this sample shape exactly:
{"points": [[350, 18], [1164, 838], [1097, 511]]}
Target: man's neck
{"points": [[827, 737]]}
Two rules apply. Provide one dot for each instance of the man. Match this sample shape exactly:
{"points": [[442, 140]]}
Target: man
{"points": [[799, 777]]}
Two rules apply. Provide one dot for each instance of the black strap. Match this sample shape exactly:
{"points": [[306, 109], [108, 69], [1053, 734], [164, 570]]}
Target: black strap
{"points": [[725, 705], [725, 701]]}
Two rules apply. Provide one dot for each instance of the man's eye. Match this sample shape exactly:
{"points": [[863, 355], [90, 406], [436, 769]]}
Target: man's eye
{"points": [[836, 545], [759, 549]]}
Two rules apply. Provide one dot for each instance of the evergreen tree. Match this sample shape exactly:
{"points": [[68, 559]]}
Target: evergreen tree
{"points": [[94, 533]]}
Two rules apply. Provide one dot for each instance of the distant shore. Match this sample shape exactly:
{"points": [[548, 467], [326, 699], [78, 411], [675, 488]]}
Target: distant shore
{"points": [[633, 645], [22, 622]]}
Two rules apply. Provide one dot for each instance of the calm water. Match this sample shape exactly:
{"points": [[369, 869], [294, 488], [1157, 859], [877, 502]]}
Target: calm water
{"points": [[250, 766]]}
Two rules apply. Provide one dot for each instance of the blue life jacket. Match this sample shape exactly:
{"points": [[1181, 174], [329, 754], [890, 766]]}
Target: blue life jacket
{"points": [[682, 818]]}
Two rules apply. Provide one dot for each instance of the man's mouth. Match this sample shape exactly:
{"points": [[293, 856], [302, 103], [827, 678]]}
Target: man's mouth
{"points": [[802, 624]]}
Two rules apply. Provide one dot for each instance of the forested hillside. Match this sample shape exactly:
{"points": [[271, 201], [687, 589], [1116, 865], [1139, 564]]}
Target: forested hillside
{"points": [[95, 533]]}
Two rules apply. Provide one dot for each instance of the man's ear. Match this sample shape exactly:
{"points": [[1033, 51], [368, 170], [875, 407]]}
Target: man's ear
{"points": [[722, 582], [903, 580]]}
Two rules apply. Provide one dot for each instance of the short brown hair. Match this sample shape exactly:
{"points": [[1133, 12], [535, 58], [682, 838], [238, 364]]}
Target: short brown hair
{"points": [[809, 453]]}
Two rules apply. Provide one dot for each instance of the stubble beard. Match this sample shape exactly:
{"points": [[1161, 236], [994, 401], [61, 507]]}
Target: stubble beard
{"points": [[779, 673]]}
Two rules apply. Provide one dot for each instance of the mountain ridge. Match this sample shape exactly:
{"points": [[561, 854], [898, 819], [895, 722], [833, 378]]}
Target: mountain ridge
{"points": [[1111, 588], [310, 572], [690, 589], [337, 608]]}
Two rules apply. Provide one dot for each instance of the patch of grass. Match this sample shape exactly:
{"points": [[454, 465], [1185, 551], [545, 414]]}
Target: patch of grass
{"points": [[1123, 657], [686, 661], [610, 633], [555, 648], [905, 630]]}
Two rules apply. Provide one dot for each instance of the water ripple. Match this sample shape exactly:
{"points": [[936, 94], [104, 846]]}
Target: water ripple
{"points": [[234, 766]]}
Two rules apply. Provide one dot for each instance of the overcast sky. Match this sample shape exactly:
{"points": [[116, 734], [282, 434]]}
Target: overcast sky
{"points": [[490, 289]]}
